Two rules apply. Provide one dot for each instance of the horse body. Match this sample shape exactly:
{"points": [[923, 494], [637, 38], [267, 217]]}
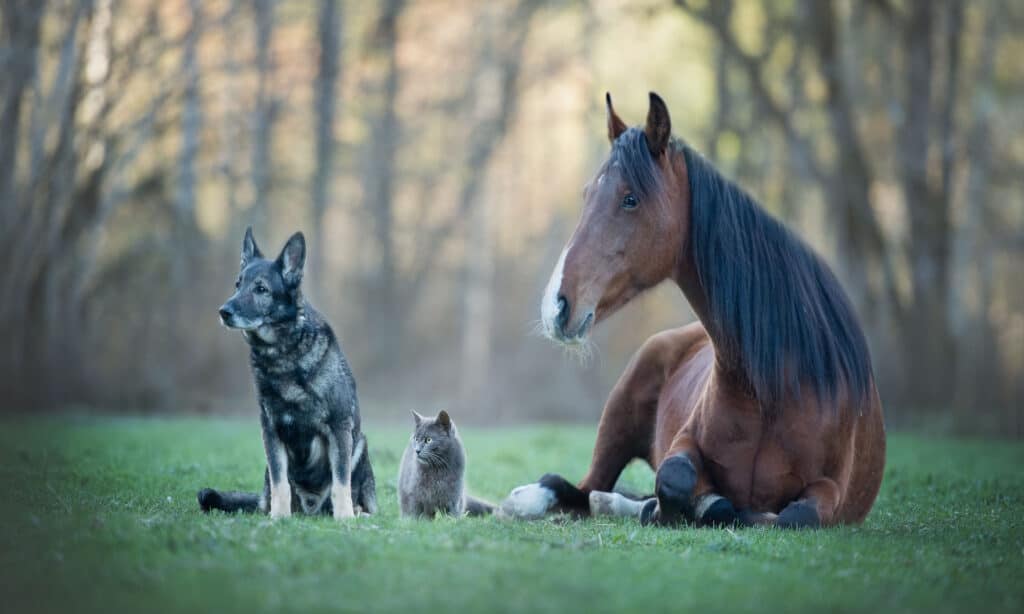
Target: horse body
{"points": [[759, 465], [763, 412]]}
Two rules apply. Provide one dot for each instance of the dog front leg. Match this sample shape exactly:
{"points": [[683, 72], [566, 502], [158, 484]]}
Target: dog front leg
{"points": [[340, 449], [277, 470]]}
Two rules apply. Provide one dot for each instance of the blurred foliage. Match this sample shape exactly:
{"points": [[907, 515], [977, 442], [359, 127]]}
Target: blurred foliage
{"points": [[434, 152]]}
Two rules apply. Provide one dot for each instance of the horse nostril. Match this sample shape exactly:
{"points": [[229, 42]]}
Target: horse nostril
{"points": [[562, 319]]}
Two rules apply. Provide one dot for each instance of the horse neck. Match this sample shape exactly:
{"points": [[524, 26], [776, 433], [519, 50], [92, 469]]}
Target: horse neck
{"points": [[685, 273]]}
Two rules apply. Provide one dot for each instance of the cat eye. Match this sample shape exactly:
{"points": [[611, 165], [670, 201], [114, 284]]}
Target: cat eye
{"points": [[629, 201], [426, 440]]}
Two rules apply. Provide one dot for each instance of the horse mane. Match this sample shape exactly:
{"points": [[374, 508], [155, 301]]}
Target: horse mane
{"points": [[778, 314]]}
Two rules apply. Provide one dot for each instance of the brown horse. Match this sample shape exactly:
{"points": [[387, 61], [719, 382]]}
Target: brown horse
{"points": [[764, 412]]}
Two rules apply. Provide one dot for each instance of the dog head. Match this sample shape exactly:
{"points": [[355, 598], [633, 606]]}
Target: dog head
{"points": [[266, 291]]}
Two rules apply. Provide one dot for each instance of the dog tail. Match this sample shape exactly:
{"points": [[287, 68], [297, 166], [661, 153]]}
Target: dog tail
{"points": [[228, 500], [478, 507]]}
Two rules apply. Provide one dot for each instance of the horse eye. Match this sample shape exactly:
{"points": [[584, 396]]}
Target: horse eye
{"points": [[629, 201]]}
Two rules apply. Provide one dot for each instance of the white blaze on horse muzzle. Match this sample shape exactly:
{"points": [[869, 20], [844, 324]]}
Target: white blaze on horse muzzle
{"points": [[551, 305], [556, 310]]}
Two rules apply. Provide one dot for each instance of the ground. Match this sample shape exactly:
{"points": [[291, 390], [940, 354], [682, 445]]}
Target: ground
{"points": [[99, 514]]}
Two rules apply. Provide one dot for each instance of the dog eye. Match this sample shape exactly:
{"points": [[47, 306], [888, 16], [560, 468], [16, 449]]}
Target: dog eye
{"points": [[260, 289], [238, 282], [629, 201]]}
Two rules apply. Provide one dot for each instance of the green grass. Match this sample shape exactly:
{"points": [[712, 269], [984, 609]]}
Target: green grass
{"points": [[100, 515]]}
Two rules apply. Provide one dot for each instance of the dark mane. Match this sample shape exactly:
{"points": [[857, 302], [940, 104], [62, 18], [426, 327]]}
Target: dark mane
{"points": [[778, 314]]}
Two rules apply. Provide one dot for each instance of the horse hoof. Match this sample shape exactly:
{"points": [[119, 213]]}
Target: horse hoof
{"points": [[799, 515], [613, 504], [528, 502], [648, 512], [716, 511], [674, 484]]}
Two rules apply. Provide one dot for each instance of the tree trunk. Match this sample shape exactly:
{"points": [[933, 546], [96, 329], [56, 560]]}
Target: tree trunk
{"points": [[264, 114], [926, 331], [379, 178], [20, 21], [330, 26], [976, 376], [185, 231], [496, 80]]}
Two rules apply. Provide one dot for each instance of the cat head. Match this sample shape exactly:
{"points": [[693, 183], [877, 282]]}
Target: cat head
{"points": [[435, 440]]}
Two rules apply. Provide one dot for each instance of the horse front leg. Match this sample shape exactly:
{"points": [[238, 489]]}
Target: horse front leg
{"points": [[684, 492], [626, 425], [553, 493], [815, 507]]}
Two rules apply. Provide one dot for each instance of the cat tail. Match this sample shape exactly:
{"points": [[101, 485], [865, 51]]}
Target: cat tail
{"points": [[228, 500], [478, 507]]}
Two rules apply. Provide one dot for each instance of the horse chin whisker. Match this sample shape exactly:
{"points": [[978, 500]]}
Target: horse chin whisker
{"points": [[580, 349], [537, 328]]}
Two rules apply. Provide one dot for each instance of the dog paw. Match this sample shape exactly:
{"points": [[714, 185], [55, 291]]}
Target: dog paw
{"points": [[341, 502]]}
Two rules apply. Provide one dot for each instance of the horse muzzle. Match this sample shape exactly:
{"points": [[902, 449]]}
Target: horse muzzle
{"points": [[564, 328]]}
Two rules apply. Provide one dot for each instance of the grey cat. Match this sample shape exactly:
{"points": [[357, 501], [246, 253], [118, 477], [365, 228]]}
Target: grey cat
{"points": [[431, 478]]}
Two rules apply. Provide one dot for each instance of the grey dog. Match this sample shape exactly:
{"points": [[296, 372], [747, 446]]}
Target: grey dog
{"points": [[317, 457]]}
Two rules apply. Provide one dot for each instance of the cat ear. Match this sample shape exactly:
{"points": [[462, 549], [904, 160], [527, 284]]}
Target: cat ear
{"points": [[445, 420], [418, 418]]}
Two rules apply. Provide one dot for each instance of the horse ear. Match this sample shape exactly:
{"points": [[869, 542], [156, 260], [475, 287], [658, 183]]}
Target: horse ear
{"points": [[444, 420], [292, 258], [659, 127], [615, 124], [249, 248]]}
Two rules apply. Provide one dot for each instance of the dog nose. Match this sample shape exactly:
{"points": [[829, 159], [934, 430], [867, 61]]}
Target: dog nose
{"points": [[562, 318], [225, 313]]}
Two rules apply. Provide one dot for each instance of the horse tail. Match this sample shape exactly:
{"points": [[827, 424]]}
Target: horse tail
{"points": [[228, 500]]}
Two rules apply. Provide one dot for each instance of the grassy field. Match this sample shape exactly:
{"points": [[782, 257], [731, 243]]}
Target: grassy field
{"points": [[100, 515]]}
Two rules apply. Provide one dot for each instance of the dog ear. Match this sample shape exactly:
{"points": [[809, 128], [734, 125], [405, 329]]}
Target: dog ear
{"points": [[659, 127], [417, 417], [292, 258], [615, 124], [249, 248], [444, 420]]}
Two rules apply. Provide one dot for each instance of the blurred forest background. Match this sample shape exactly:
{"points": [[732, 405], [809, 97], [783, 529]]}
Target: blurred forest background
{"points": [[434, 153]]}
